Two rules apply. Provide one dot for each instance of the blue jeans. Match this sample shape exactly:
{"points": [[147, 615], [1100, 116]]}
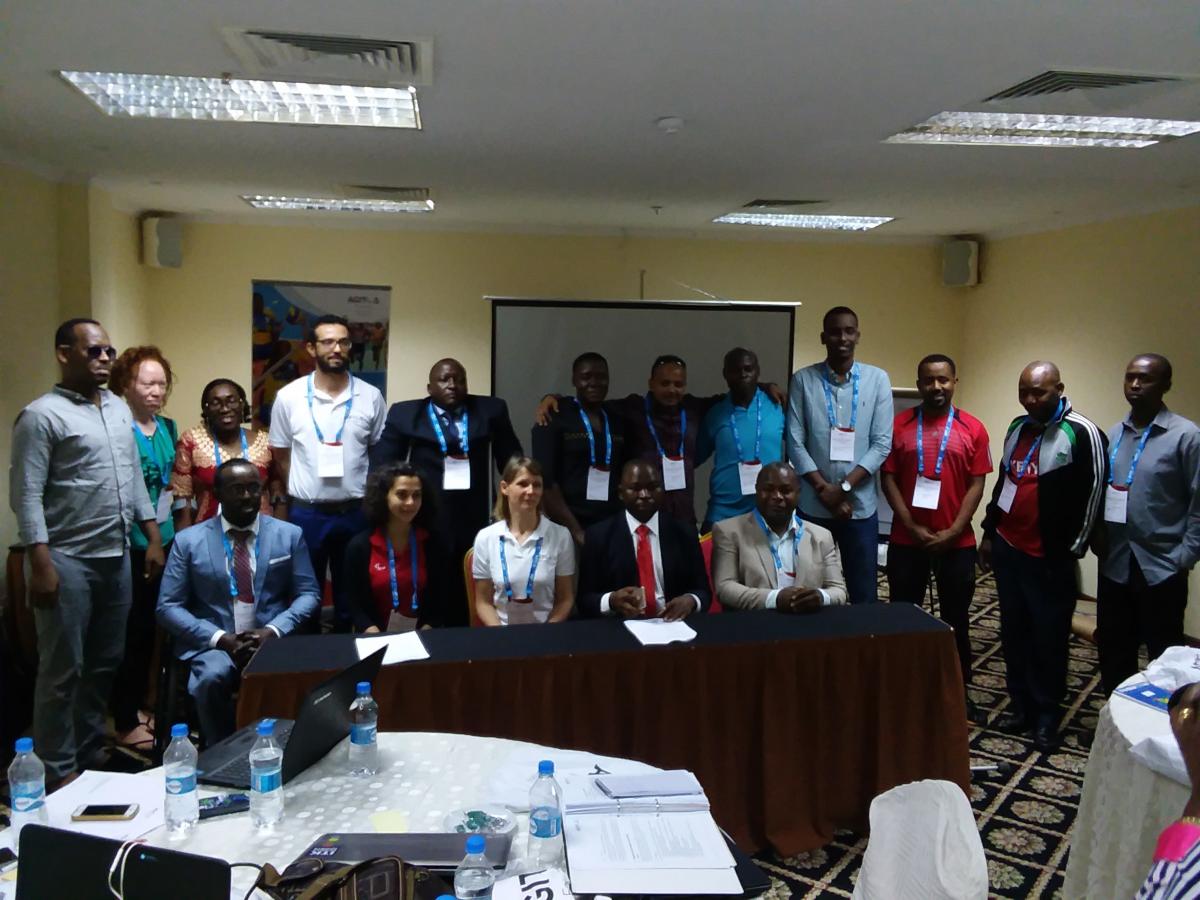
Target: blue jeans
{"points": [[858, 543], [327, 536]]}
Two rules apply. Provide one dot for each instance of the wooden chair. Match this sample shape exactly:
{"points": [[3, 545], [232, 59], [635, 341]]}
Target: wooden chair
{"points": [[706, 549]]}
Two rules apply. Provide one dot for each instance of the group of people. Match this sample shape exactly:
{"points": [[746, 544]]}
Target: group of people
{"points": [[395, 506]]}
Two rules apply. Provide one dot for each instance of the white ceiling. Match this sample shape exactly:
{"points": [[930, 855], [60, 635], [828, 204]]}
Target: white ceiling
{"points": [[541, 113]]}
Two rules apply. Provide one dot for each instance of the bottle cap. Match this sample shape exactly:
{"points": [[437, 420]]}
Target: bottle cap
{"points": [[445, 897], [266, 726], [179, 730], [24, 745], [364, 687], [546, 767], [475, 843]]}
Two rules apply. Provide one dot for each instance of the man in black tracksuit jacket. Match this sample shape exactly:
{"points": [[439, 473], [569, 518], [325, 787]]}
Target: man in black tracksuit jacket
{"points": [[1043, 509]]}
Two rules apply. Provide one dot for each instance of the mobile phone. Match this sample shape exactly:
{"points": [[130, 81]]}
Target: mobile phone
{"points": [[105, 812], [211, 807], [8, 859]]}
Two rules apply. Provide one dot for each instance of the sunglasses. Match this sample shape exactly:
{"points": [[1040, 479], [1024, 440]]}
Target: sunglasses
{"points": [[96, 350]]}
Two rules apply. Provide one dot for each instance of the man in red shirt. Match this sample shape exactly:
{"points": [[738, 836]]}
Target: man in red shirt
{"points": [[933, 479]]}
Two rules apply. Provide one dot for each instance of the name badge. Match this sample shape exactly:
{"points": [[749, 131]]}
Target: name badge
{"points": [[1116, 505], [674, 475], [329, 461], [457, 474], [1008, 492], [841, 445], [162, 511], [520, 613], [926, 493], [243, 617], [748, 476], [597, 484], [398, 623]]}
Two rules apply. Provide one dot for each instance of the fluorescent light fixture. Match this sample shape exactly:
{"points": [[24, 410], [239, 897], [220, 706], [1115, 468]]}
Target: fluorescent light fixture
{"points": [[247, 100], [1043, 130], [792, 220], [336, 204]]}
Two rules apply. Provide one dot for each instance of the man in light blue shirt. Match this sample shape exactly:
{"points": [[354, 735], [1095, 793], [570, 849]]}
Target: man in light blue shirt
{"points": [[743, 432], [839, 432]]}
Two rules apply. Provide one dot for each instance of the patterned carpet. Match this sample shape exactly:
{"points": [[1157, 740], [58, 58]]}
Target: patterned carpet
{"points": [[1025, 812]]}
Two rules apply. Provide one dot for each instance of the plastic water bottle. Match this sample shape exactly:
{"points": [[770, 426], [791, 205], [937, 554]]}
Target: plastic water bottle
{"points": [[27, 784], [364, 723], [545, 819], [473, 879], [266, 777], [182, 806]]}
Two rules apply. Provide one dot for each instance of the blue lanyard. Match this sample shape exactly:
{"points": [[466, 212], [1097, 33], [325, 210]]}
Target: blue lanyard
{"points": [[1037, 443], [217, 446], [337, 439], [233, 590], [772, 543], [654, 434], [937, 469], [537, 555], [1137, 455], [825, 382], [147, 446], [412, 550], [441, 435], [587, 426], [737, 438]]}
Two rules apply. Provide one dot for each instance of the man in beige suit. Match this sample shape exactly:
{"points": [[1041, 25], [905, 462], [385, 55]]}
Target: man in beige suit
{"points": [[770, 559]]}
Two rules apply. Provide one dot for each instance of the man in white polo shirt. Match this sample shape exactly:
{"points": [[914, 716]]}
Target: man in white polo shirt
{"points": [[322, 426]]}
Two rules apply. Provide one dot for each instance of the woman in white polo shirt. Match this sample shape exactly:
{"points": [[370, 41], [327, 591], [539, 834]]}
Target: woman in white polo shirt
{"points": [[523, 563]]}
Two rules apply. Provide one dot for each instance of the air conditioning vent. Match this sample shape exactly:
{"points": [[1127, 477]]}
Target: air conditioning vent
{"points": [[384, 192], [1057, 82], [780, 204], [278, 54]]}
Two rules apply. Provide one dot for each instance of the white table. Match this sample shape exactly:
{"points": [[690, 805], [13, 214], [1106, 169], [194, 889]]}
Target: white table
{"points": [[1123, 807]]}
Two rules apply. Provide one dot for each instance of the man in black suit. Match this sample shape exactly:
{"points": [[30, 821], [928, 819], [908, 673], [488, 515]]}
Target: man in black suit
{"points": [[450, 436], [639, 564]]}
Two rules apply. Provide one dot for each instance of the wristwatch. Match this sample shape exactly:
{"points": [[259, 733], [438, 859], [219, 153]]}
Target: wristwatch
{"points": [[846, 487]]}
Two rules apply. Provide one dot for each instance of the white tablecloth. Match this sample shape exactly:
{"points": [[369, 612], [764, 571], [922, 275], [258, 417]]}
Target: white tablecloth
{"points": [[1123, 807]]}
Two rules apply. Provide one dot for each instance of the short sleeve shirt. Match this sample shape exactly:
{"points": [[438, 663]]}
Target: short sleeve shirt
{"points": [[557, 558], [561, 446]]}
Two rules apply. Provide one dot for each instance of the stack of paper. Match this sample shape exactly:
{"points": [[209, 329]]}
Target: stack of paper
{"points": [[674, 791], [659, 631], [400, 647]]}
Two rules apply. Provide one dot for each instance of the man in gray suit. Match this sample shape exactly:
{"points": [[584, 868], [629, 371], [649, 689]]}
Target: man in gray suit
{"points": [[231, 583], [769, 558]]}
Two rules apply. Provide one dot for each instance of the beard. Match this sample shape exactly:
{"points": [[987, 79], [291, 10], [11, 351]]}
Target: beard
{"points": [[331, 368]]}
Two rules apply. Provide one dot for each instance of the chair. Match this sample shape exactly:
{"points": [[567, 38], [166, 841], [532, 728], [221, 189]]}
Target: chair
{"points": [[171, 701], [706, 549], [924, 845], [469, 581]]}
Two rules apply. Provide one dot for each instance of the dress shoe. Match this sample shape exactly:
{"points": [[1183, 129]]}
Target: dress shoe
{"points": [[1045, 738], [1013, 723]]}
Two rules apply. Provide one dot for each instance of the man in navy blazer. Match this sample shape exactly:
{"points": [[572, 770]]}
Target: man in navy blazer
{"points": [[454, 438], [640, 564], [230, 584]]}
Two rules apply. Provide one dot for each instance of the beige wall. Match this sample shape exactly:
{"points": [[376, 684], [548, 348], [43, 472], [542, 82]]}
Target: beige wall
{"points": [[117, 277], [1088, 298]]}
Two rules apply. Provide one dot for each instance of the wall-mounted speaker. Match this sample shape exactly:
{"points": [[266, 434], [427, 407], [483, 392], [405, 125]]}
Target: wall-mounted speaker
{"points": [[960, 263], [162, 242]]}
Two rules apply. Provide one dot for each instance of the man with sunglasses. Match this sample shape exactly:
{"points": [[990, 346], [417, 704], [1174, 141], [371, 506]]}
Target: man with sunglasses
{"points": [[76, 487], [322, 426]]}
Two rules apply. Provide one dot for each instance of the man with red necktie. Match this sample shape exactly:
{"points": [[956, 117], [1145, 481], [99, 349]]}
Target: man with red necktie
{"points": [[638, 564]]}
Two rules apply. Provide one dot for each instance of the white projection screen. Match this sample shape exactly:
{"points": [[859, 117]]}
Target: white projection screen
{"points": [[534, 343]]}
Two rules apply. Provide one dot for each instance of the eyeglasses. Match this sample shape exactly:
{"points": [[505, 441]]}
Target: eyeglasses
{"points": [[330, 343], [96, 350], [223, 402]]}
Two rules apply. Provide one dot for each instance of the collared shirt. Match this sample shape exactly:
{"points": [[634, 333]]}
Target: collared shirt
{"points": [[1162, 525], [808, 433], [292, 428], [785, 546], [557, 559], [75, 481], [252, 549], [725, 497], [660, 598]]}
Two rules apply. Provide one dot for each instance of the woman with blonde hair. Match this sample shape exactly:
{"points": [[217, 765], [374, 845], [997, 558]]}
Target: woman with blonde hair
{"points": [[523, 564]]}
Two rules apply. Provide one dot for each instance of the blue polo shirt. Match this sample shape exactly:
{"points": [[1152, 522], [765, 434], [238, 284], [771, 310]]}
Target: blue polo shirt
{"points": [[725, 497]]}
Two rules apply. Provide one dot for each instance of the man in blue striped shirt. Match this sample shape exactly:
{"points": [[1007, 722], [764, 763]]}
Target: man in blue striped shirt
{"points": [[839, 432]]}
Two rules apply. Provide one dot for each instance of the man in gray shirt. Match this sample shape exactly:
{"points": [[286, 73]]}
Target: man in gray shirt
{"points": [[1150, 538], [76, 486]]}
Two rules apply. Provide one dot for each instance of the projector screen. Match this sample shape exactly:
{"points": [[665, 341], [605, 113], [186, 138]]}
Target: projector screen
{"points": [[534, 343]]}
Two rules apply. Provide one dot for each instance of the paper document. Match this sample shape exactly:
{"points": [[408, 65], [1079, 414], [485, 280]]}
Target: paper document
{"points": [[400, 647], [1146, 694], [510, 782], [109, 787], [659, 631], [659, 784], [547, 884], [584, 794]]}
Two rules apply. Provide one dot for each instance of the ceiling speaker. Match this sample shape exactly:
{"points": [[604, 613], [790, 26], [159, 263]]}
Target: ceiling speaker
{"points": [[960, 263], [162, 242]]}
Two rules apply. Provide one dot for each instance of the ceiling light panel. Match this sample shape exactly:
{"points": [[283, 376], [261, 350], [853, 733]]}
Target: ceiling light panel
{"points": [[247, 100], [1043, 130], [338, 204], [818, 223]]}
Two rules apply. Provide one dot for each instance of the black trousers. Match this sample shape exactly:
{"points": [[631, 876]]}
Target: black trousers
{"points": [[908, 571], [133, 674], [1135, 613], [1037, 600]]}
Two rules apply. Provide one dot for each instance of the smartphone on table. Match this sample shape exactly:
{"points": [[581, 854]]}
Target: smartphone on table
{"points": [[105, 812]]}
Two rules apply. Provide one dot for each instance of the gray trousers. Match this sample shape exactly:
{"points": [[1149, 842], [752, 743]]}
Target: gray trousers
{"points": [[81, 640]]}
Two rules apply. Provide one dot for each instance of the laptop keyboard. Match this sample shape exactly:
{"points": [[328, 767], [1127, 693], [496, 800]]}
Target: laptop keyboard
{"points": [[238, 768]]}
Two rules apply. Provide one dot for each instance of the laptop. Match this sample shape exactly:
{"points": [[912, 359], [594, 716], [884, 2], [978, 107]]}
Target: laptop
{"points": [[323, 720], [150, 873]]}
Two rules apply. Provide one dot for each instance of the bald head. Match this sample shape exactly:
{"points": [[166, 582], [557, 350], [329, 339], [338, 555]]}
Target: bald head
{"points": [[448, 383], [1040, 389]]}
